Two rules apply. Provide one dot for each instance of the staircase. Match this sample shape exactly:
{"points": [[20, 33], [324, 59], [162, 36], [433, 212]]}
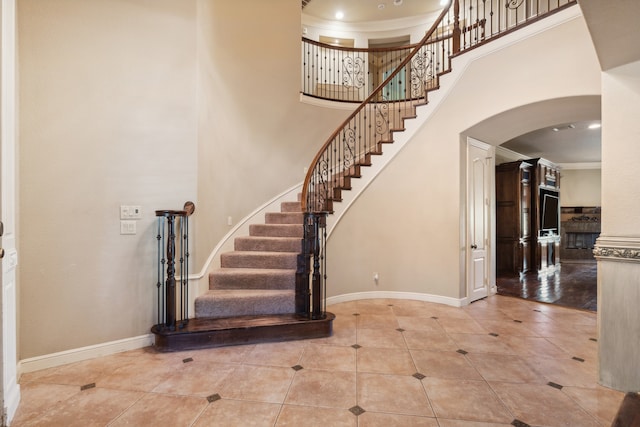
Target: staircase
{"points": [[259, 276], [272, 286], [251, 297]]}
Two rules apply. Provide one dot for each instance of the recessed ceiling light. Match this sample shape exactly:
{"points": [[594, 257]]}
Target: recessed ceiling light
{"points": [[595, 126], [555, 129], [339, 14], [397, 2], [382, 6]]}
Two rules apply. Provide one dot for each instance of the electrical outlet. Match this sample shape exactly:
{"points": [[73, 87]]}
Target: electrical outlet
{"points": [[130, 212], [135, 212], [127, 227]]}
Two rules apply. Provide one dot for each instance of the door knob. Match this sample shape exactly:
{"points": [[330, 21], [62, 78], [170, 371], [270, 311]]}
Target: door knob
{"points": [[1, 253], [474, 247]]}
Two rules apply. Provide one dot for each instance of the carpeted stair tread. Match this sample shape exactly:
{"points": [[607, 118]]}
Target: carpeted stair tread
{"points": [[276, 230], [252, 278], [228, 303], [271, 244], [259, 259]]}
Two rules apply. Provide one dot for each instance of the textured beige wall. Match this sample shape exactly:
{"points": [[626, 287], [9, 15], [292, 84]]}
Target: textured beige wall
{"points": [[254, 136], [150, 103], [581, 187], [620, 151], [408, 225], [107, 117]]}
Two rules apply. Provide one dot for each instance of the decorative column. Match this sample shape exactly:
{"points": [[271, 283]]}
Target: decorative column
{"points": [[618, 247]]}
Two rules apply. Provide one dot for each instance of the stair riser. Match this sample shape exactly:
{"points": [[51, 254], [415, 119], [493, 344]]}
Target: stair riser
{"points": [[210, 306], [290, 207], [276, 230], [258, 280], [283, 218], [247, 260], [266, 244]]}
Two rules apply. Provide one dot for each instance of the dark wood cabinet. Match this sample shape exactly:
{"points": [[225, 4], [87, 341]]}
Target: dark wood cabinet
{"points": [[527, 217], [513, 217], [545, 219]]}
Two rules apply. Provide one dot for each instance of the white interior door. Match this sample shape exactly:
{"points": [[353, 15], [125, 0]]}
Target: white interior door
{"points": [[9, 388], [480, 163]]}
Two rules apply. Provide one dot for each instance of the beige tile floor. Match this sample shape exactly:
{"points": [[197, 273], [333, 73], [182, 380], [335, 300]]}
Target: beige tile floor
{"points": [[501, 361]]}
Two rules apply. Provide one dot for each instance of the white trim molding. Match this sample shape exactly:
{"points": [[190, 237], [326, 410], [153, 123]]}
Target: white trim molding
{"points": [[84, 353], [610, 248], [454, 302]]}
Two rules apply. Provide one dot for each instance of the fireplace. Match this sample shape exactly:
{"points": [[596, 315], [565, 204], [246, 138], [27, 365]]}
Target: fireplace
{"points": [[579, 229]]}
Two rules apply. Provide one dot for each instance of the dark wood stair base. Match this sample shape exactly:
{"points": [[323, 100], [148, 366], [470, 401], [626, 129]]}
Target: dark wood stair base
{"points": [[211, 333]]}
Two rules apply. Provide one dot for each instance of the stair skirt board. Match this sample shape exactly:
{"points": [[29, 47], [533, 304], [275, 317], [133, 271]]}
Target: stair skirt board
{"points": [[239, 330]]}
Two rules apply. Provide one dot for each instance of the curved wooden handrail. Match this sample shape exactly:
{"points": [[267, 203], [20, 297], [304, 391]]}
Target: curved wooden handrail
{"points": [[425, 40]]}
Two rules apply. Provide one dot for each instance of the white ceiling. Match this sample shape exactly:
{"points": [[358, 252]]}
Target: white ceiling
{"points": [[370, 10]]}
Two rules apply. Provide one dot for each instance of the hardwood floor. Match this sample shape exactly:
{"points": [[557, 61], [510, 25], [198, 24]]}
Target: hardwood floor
{"points": [[575, 286]]}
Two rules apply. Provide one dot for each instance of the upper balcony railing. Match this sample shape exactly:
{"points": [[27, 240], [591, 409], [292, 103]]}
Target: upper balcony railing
{"points": [[352, 74]]}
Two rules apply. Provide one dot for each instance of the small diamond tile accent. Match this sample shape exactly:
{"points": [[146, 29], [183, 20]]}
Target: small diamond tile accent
{"points": [[461, 351], [390, 305], [579, 359], [419, 376], [434, 317], [187, 360], [356, 346], [87, 386], [213, 398], [356, 314], [356, 410], [593, 339], [554, 385], [517, 321], [297, 367], [518, 423], [400, 330], [535, 309], [493, 334]]}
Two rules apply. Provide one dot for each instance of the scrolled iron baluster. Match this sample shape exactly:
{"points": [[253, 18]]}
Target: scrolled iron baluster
{"points": [[382, 118], [349, 148], [513, 4], [353, 72], [421, 71]]}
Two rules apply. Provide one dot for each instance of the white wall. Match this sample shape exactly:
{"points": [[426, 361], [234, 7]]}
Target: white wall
{"points": [[408, 225], [255, 137], [580, 187], [107, 117]]}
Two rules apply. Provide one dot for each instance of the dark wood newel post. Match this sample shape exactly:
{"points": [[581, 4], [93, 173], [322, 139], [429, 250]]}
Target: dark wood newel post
{"points": [[171, 271], [457, 32], [168, 290]]}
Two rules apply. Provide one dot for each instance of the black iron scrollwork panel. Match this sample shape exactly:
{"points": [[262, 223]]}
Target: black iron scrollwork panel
{"points": [[349, 147], [421, 72], [513, 4], [354, 71], [382, 118]]}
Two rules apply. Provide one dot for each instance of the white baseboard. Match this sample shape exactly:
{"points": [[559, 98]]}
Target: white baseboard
{"points": [[454, 302], [83, 353]]}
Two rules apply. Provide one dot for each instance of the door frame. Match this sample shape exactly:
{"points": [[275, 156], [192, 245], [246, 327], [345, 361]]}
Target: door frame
{"points": [[490, 265], [9, 387]]}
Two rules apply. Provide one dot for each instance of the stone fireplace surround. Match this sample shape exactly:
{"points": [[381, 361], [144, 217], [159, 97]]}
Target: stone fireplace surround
{"points": [[579, 229]]}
